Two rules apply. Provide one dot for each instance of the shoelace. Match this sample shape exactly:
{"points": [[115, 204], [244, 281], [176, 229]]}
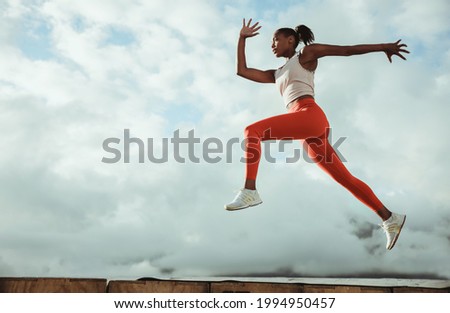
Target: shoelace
{"points": [[390, 227], [244, 197]]}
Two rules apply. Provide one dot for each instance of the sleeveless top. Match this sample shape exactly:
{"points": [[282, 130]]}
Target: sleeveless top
{"points": [[293, 80]]}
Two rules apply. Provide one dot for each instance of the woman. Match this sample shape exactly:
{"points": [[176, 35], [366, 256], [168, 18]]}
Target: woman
{"points": [[305, 120]]}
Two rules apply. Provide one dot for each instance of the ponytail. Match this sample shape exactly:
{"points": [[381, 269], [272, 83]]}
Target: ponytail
{"points": [[300, 33], [304, 34]]}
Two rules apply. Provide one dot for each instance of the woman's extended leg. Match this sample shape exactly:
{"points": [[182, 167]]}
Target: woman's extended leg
{"points": [[323, 154], [320, 151]]}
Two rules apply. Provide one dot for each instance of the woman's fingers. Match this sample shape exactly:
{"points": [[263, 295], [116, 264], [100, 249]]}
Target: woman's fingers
{"points": [[400, 46], [398, 54], [249, 30], [249, 24], [389, 57]]}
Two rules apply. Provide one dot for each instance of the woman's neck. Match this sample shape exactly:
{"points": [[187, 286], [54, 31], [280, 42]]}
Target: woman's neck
{"points": [[290, 54]]}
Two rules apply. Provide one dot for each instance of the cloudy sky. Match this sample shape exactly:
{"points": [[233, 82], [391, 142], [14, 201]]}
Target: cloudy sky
{"points": [[75, 73]]}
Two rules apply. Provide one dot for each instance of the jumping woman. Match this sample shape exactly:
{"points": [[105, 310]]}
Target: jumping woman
{"points": [[305, 120]]}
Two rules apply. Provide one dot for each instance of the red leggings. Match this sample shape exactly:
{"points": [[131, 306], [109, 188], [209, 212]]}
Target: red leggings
{"points": [[305, 121]]}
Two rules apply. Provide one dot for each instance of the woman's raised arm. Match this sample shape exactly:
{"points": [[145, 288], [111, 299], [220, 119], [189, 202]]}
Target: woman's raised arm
{"points": [[256, 75]]}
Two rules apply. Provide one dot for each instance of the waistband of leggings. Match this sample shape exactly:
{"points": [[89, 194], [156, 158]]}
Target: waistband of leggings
{"points": [[299, 103]]}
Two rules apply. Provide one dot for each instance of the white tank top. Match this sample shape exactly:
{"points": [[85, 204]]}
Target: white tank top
{"points": [[293, 80]]}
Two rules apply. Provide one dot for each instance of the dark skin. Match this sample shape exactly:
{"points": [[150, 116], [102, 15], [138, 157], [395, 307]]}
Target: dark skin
{"points": [[283, 46]]}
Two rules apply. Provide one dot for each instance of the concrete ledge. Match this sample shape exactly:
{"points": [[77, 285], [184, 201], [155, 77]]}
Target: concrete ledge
{"points": [[157, 286], [52, 285], [222, 285], [256, 287]]}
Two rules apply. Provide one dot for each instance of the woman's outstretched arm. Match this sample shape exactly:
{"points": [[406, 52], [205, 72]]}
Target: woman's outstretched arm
{"points": [[259, 76], [316, 51]]}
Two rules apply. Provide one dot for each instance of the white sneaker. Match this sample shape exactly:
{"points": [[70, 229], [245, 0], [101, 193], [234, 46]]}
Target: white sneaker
{"points": [[244, 199], [392, 227]]}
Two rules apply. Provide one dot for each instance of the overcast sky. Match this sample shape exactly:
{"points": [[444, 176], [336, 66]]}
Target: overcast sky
{"points": [[75, 73]]}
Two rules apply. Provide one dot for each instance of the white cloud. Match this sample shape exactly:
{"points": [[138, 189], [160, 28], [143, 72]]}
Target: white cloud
{"points": [[426, 22]]}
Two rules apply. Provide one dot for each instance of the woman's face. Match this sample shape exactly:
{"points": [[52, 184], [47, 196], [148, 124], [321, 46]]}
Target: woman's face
{"points": [[281, 44]]}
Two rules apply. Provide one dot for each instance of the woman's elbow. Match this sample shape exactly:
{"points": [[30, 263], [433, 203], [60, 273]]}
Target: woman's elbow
{"points": [[240, 72]]}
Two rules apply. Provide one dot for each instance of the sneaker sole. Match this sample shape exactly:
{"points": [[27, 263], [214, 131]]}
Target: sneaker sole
{"points": [[245, 207], [398, 234]]}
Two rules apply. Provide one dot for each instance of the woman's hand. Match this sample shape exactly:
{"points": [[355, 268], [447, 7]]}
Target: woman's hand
{"points": [[249, 31], [395, 49]]}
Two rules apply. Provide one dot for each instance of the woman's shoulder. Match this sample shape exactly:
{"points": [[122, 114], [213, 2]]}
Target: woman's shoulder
{"points": [[309, 48], [306, 60], [306, 52]]}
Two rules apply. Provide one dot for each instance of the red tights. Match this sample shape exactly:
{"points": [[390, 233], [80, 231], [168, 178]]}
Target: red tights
{"points": [[305, 121]]}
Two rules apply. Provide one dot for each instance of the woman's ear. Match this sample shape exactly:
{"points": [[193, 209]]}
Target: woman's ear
{"points": [[291, 39]]}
